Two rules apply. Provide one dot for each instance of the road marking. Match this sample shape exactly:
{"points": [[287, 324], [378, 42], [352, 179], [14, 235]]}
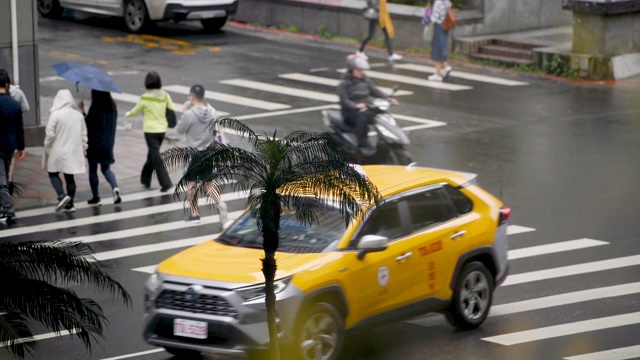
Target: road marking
{"points": [[565, 299], [287, 112], [133, 99], [516, 229], [142, 353], [83, 205], [463, 75], [151, 229], [65, 224], [146, 269], [41, 337], [145, 249], [426, 123], [554, 248], [154, 42], [631, 352], [228, 98], [278, 89], [565, 329], [333, 82], [584, 268], [414, 81]]}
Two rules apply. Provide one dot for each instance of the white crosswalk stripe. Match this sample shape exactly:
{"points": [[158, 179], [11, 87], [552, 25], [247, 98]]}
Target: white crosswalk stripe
{"points": [[422, 82], [463, 75], [629, 352], [283, 90], [334, 82], [231, 99]]}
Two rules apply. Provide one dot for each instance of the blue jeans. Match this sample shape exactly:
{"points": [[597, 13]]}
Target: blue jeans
{"points": [[93, 177], [5, 198]]}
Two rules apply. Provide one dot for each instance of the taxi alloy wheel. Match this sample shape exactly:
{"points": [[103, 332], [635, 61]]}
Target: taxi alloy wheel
{"points": [[135, 15], [49, 8], [472, 297], [321, 333]]}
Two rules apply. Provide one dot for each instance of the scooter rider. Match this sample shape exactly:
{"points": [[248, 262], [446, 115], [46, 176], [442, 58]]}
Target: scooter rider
{"points": [[354, 91]]}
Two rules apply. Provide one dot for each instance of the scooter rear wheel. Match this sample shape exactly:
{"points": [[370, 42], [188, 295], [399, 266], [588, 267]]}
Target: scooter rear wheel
{"points": [[400, 156]]}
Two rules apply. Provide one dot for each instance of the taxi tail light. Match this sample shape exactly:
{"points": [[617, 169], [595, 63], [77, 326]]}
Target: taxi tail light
{"points": [[504, 215]]}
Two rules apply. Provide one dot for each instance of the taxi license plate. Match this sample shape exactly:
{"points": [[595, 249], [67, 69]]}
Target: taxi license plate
{"points": [[190, 328]]}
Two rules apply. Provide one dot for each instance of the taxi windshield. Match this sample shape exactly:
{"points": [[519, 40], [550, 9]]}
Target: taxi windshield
{"points": [[321, 236]]}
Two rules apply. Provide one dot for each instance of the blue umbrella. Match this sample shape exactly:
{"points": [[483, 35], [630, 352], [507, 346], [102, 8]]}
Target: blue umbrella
{"points": [[87, 76]]}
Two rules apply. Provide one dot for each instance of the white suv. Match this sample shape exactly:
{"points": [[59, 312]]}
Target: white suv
{"points": [[138, 14]]}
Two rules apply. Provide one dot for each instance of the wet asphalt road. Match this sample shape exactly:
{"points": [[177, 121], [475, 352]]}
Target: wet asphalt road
{"points": [[562, 155]]}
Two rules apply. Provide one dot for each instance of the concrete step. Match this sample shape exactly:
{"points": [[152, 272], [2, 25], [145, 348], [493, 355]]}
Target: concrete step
{"points": [[500, 60], [512, 44], [505, 51]]}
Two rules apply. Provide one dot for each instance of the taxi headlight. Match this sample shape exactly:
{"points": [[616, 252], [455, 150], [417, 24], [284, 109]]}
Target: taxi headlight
{"points": [[254, 292], [154, 283]]}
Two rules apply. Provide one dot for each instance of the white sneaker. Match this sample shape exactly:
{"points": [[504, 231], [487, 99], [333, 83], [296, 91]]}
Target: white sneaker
{"points": [[435, 77], [395, 57], [360, 53], [62, 202], [116, 196], [446, 71]]}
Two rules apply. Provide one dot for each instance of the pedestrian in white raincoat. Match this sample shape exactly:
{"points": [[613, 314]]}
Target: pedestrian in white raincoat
{"points": [[65, 146]]}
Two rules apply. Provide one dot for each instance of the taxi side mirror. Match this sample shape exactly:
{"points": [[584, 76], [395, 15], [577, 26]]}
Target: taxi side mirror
{"points": [[371, 243]]}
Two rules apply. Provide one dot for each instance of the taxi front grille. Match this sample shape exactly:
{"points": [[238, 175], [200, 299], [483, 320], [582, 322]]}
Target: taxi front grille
{"points": [[204, 304]]}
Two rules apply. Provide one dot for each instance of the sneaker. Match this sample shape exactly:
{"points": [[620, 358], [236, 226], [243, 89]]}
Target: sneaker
{"points": [[95, 201], [62, 202], [360, 53], [69, 208], [435, 77], [7, 218], [446, 71], [116, 196], [395, 57], [193, 219]]}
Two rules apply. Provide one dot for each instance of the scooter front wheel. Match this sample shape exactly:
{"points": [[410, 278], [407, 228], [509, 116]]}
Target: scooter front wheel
{"points": [[400, 156]]}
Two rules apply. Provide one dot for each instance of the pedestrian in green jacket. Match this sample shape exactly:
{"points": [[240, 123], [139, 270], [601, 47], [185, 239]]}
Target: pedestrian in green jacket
{"points": [[153, 105]]}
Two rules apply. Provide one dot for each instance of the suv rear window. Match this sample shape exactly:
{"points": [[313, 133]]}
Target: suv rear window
{"points": [[460, 201]]}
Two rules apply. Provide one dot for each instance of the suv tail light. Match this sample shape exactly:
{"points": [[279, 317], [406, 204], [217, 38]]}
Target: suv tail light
{"points": [[504, 215]]}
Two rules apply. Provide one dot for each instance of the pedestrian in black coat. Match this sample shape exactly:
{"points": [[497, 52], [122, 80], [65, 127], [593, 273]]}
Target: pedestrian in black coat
{"points": [[102, 121]]}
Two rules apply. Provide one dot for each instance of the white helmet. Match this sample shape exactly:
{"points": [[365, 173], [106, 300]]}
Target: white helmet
{"points": [[356, 61]]}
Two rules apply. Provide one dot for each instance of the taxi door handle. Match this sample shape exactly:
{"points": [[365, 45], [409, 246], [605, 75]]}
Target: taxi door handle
{"points": [[458, 234], [404, 256]]}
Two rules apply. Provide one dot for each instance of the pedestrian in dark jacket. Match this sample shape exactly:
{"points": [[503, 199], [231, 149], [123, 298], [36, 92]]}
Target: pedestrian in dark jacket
{"points": [[101, 120], [11, 139]]}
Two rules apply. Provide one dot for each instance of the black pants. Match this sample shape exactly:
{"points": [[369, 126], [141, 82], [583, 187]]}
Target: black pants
{"points": [[359, 120], [372, 30], [154, 161], [56, 182], [5, 198]]}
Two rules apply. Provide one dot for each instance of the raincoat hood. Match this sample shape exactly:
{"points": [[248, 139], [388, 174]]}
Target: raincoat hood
{"points": [[64, 99], [204, 114], [154, 93]]}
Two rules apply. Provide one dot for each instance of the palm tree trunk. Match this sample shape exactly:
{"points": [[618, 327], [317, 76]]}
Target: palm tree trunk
{"points": [[269, 271]]}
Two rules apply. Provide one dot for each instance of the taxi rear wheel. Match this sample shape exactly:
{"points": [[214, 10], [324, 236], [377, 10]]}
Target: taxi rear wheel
{"points": [[183, 353], [320, 333], [472, 297]]}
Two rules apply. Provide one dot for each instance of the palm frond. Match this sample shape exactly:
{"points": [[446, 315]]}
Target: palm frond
{"points": [[13, 331], [56, 261], [238, 127]]}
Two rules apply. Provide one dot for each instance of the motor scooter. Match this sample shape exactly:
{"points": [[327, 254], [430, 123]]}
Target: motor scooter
{"points": [[388, 146]]}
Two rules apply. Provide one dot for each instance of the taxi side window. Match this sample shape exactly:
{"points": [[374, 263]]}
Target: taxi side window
{"points": [[428, 208], [461, 202], [384, 221]]}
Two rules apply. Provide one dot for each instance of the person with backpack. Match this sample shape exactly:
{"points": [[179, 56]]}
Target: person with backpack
{"points": [[440, 40], [378, 15]]}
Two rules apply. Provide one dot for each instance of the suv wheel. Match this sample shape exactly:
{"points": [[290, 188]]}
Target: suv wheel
{"points": [[214, 24], [50, 8], [472, 297], [320, 333], [183, 353], [136, 17]]}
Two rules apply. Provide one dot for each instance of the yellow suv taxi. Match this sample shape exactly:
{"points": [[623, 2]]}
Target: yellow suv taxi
{"points": [[437, 242]]}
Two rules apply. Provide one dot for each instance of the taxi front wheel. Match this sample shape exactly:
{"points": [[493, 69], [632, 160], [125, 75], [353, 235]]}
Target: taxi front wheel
{"points": [[320, 333], [472, 297]]}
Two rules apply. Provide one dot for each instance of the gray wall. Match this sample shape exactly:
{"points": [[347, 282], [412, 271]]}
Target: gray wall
{"points": [[343, 17], [27, 59]]}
